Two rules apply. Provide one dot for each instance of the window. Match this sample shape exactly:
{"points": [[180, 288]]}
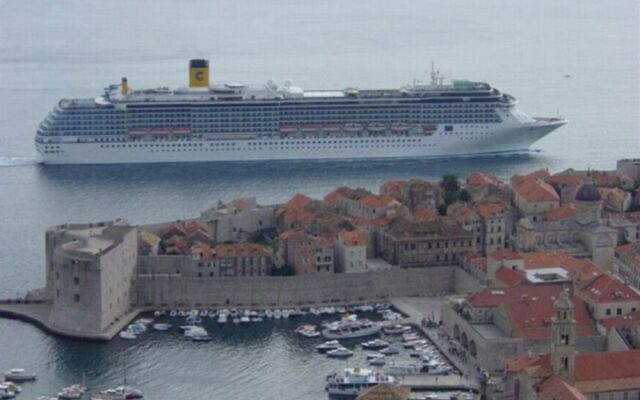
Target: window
{"points": [[608, 312], [619, 311], [76, 281], [76, 297]]}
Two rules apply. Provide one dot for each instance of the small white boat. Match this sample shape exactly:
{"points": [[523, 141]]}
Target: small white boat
{"points": [[390, 351], [268, 314], [375, 344], [329, 345], [236, 320], [369, 356], [222, 318], [144, 321], [404, 368], [286, 313], [121, 392], [6, 393], [72, 392], [377, 361], [257, 319], [340, 352], [396, 329], [245, 320], [173, 313], [128, 335], [157, 313], [11, 386], [277, 314], [161, 327]]}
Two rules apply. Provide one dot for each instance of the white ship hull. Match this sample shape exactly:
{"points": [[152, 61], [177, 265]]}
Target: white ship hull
{"points": [[465, 140]]}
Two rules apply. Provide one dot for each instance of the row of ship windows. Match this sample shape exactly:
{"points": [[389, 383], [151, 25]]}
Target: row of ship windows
{"points": [[302, 147], [401, 142]]}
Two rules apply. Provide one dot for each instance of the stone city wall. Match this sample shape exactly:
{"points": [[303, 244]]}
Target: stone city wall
{"points": [[173, 290]]}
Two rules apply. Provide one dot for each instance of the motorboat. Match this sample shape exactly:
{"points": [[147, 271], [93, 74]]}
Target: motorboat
{"points": [[19, 375], [120, 392], [390, 351], [326, 346], [340, 352], [245, 319], [144, 321], [377, 361], [222, 318], [286, 314], [277, 314], [410, 336], [11, 386], [268, 313], [128, 335], [6, 393], [72, 392], [137, 328], [415, 343], [173, 313], [355, 380], [161, 327], [257, 319], [370, 356], [351, 328], [396, 329], [236, 320], [375, 344]]}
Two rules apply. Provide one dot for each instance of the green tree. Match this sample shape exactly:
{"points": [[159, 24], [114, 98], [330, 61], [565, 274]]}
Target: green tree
{"points": [[450, 183], [465, 196]]}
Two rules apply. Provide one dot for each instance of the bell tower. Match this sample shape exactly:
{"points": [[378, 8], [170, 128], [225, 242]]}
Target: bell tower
{"points": [[563, 342]]}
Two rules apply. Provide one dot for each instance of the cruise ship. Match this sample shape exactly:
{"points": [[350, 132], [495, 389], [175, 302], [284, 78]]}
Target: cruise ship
{"points": [[235, 122]]}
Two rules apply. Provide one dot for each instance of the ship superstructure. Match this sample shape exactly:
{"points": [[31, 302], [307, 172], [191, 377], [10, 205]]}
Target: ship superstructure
{"points": [[234, 122]]}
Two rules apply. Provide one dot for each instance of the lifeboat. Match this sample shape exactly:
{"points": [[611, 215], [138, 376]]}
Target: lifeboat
{"points": [[182, 130], [352, 127], [159, 131], [331, 128], [289, 128], [376, 127], [310, 128], [400, 127], [137, 131]]}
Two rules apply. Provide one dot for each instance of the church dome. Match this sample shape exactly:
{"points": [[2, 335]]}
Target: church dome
{"points": [[588, 192]]}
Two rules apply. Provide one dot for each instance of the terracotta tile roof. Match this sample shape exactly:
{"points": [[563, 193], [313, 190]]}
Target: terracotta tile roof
{"points": [[193, 226], [539, 174], [554, 388], [565, 211], [379, 221], [603, 178], [565, 179], [489, 209], [330, 197], [462, 214], [607, 365], [204, 251], [353, 194], [536, 190], [505, 254], [299, 200], [605, 288], [529, 308], [626, 321], [585, 268], [424, 214], [241, 204], [242, 250], [393, 188], [609, 385], [509, 276], [518, 363], [353, 238], [401, 227], [481, 178]]}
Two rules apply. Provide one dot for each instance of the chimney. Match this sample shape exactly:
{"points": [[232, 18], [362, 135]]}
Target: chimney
{"points": [[124, 86]]}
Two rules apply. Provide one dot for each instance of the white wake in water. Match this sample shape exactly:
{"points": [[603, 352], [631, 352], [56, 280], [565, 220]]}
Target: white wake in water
{"points": [[12, 161]]}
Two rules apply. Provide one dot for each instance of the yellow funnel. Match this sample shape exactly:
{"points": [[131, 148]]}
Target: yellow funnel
{"points": [[199, 73]]}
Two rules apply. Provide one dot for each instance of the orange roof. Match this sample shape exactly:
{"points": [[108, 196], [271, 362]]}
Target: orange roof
{"points": [[539, 174], [242, 250], [533, 189], [203, 250], [529, 308], [509, 276], [555, 388], [392, 188], [605, 288], [607, 365], [481, 178], [489, 209], [565, 179], [353, 238], [331, 197], [565, 211], [424, 214], [379, 221], [585, 268], [505, 254], [241, 204], [297, 201], [518, 363]]}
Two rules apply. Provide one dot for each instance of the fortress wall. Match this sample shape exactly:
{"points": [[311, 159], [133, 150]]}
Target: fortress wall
{"points": [[170, 290]]}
